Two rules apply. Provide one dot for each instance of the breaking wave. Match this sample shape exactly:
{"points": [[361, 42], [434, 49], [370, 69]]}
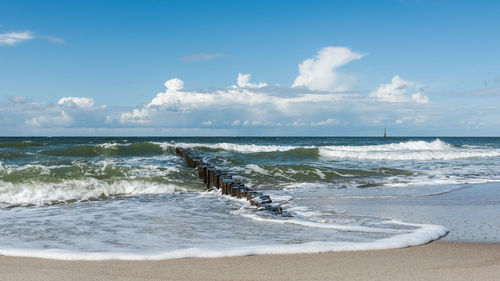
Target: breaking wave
{"points": [[68, 191], [411, 150], [242, 148]]}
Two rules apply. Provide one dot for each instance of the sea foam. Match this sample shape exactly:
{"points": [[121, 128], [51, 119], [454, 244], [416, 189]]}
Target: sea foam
{"points": [[39, 193], [242, 148], [411, 150], [424, 234], [145, 218]]}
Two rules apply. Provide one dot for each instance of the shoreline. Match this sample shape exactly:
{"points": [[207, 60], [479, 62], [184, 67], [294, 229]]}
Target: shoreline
{"points": [[438, 260]]}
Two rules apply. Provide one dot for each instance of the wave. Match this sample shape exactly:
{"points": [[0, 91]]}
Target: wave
{"points": [[271, 174], [38, 194], [11, 155], [411, 150], [242, 148], [101, 170], [253, 148], [108, 150], [409, 145], [21, 144]]}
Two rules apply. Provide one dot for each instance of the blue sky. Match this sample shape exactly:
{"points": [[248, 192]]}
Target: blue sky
{"points": [[99, 67]]}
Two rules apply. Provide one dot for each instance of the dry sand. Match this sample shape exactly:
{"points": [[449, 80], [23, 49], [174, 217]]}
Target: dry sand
{"points": [[435, 261]]}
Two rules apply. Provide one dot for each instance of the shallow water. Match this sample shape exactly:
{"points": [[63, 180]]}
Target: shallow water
{"points": [[132, 198]]}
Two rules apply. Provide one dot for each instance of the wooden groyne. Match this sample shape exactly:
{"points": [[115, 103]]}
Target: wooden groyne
{"points": [[214, 178]]}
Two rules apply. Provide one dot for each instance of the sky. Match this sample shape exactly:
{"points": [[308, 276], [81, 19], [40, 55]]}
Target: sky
{"points": [[249, 68]]}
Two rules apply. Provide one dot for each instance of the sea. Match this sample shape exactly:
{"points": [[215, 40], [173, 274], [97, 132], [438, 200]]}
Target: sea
{"points": [[132, 198]]}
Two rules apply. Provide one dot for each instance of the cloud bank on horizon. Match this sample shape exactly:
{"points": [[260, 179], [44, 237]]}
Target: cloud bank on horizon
{"points": [[319, 102]]}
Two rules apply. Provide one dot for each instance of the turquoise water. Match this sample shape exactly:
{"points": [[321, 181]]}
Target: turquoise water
{"points": [[132, 198]]}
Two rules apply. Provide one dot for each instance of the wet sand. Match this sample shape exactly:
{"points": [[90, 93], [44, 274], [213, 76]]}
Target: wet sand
{"points": [[434, 261]]}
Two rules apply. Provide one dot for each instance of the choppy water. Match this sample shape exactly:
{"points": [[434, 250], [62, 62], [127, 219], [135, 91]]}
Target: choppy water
{"points": [[132, 198]]}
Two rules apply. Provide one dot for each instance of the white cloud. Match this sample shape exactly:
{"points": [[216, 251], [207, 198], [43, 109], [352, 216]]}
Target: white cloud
{"points": [[248, 100], [13, 38], [135, 117], [68, 112], [207, 123], [81, 102], [397, 91], [54, 120], [419, 98], [244, 81], [320, 72]]}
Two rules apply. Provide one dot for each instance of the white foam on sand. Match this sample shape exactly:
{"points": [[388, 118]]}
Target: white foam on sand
{"points": [[422, 235], [220, 242]]}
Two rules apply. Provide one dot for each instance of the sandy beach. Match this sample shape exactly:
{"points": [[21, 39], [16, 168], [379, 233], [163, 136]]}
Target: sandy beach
{"points": [[434, 261]]}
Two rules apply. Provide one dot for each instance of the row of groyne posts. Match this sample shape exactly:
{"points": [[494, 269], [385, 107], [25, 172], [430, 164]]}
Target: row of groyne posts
{"points": [[214, 178]]}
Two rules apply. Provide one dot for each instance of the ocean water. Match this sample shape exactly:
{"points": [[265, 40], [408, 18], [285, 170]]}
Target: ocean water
{"points": [[132, 198]]}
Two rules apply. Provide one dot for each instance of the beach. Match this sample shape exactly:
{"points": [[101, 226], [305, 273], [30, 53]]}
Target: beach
{"points": [[349, 209], [434, 261]]}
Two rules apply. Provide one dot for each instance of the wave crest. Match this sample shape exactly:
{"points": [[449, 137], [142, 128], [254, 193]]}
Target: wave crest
{"points": [[242, 148], [411, 150], [23, 194]]}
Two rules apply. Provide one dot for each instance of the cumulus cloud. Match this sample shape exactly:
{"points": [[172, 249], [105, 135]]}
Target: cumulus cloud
{"points": [[399, 91], [81, 102], [54, 120], [13, 38], [246, 100], [320, 72], [244, 81], [201, 57], [419, 98], [68, 112]]}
